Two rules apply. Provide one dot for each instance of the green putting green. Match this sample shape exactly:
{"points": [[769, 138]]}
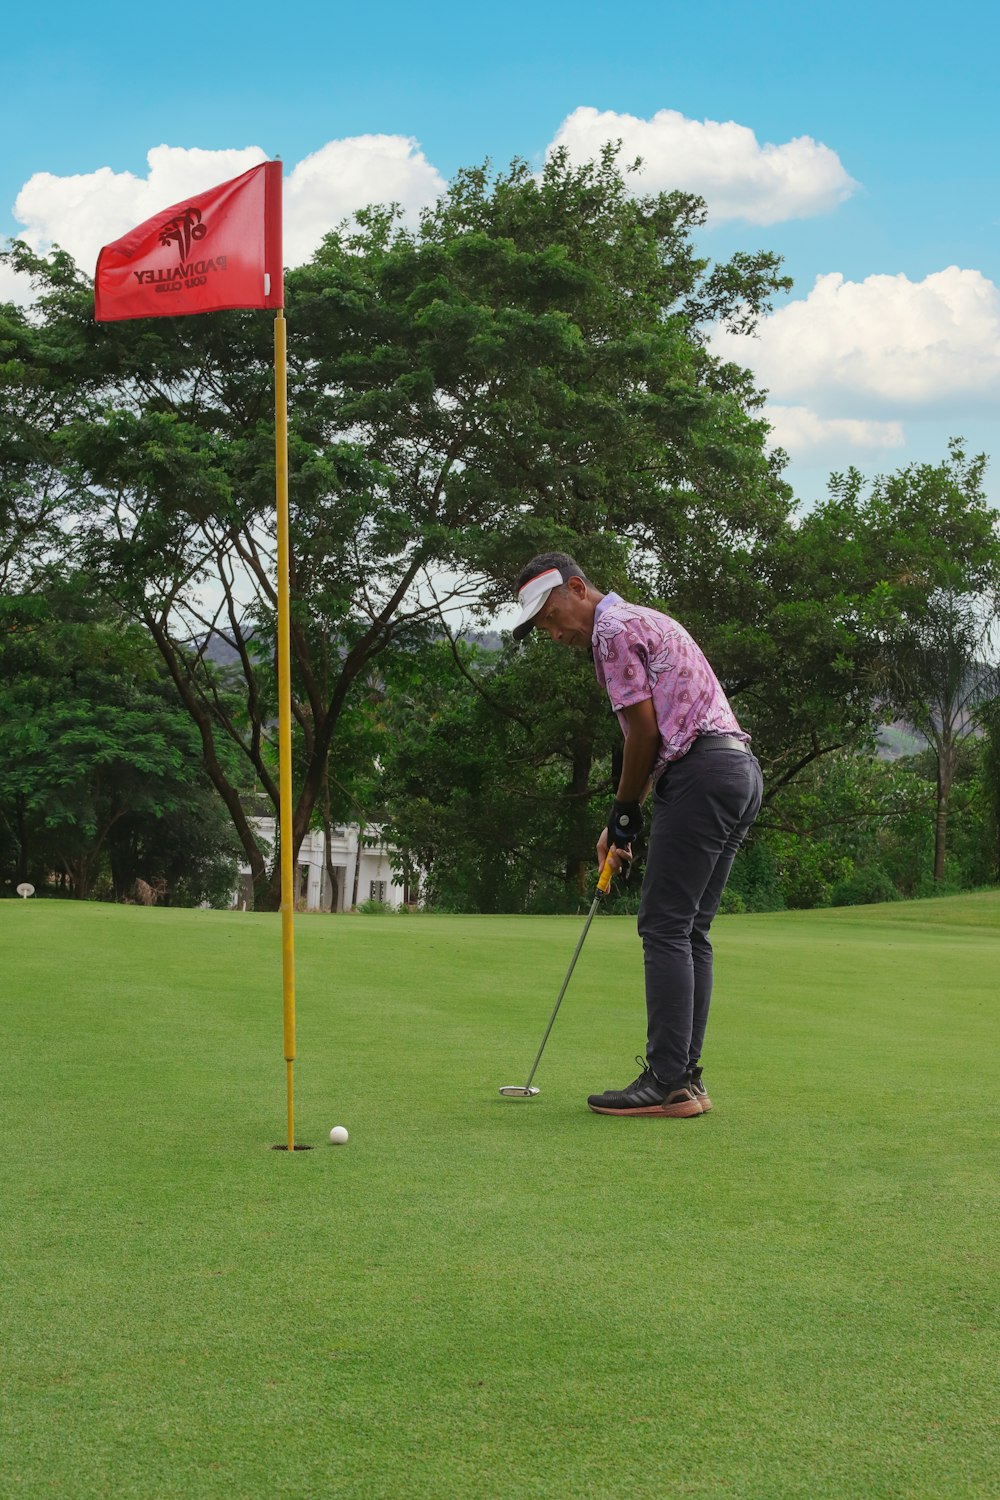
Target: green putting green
{"points": [[793, 1296]]}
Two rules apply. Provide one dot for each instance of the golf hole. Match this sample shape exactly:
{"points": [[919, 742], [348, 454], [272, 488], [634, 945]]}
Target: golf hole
{"points": [[294, 1148]]}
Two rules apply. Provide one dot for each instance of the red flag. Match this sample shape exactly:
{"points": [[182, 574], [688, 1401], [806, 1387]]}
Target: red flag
{"points": [[214, 250]]}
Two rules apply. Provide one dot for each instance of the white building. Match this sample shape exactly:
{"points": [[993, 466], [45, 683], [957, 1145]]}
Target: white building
{"points": [[360, 864]]}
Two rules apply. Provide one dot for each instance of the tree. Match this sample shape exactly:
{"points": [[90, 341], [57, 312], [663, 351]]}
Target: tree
{"points": [[530, 366], [492, 774], [93, 750], [941, 672], [187, 854], [36, 403], [816, 609], [845, 825], [933, 553], [988, 716]]}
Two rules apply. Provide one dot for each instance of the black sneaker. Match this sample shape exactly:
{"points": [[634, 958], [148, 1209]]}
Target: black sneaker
{"points": [[648, 1096], [698, 1089]]}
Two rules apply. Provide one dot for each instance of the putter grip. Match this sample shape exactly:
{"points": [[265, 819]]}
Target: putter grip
{"points": [[604, 883]]}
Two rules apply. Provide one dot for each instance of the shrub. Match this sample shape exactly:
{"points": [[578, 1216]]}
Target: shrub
{"points": [[756, 878], [864, 887], [622, 901]]}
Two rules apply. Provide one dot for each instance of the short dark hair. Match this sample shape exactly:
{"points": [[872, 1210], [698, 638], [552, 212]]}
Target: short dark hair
{"points": [[546, 560]]}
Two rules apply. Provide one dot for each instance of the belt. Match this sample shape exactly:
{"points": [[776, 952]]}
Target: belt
{"points": [[719, 742]]}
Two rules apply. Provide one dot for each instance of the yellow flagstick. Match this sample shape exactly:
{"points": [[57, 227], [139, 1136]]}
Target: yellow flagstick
{"points": [[284, 716]]}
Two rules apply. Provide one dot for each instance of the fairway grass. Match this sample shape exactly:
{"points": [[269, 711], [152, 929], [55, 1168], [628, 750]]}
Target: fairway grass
{"points": [[795, 1295]]}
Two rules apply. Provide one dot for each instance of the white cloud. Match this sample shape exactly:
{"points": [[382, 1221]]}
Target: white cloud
{"points": [[13, 287], [882, 344], [720, 160], [803, 433], [84, 212], [346, 175]]}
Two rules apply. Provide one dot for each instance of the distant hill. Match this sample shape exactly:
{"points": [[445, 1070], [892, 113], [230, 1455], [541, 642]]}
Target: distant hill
{"points": [[221, 654], [490, 640], [218, 651], [898, 740]]}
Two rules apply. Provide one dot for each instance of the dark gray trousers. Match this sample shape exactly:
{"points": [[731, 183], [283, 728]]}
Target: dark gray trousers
{"points": [[703, 807]]}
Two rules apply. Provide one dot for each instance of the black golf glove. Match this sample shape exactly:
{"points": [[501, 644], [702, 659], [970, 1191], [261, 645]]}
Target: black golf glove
{"points": [[624, 823]]}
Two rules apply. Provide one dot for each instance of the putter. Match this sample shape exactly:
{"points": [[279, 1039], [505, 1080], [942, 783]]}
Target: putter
{"points": [[525, 1090]]}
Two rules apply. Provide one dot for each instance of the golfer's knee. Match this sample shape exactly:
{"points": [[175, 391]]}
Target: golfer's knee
{"points": [[700, 942], [664, 927]]}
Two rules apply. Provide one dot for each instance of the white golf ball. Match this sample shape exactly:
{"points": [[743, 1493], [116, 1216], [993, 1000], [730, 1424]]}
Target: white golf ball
{"points": [[338, 1136]]}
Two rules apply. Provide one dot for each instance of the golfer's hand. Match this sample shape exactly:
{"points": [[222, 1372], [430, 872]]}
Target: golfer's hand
{"points": [[617, 856]]}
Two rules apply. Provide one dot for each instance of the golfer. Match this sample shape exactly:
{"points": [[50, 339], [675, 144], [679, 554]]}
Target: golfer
{"points": [[685, 750]]}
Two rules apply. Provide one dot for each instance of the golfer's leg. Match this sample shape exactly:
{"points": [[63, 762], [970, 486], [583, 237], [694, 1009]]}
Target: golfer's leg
{"points": [[686, 840], [701, 947]]}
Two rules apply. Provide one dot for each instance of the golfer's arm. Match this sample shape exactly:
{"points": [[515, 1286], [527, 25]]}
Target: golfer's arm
{"points": [[642, 741]]}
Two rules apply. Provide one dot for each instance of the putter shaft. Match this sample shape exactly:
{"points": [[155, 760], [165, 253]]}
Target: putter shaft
{"points": [[572, 965], [603, 886]]}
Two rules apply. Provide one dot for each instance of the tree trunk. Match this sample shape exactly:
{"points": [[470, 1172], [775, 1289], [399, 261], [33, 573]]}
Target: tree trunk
{"points": [[22, 843], [328, 843], [122, 858], [946, 773], [273, 897], [357, 867], [267, 886]]}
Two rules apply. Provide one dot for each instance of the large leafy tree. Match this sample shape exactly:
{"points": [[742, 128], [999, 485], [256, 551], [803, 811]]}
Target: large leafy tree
{"points": [[940, 676], [926, 542], [530, 367], [37, 401], [820, 612]]}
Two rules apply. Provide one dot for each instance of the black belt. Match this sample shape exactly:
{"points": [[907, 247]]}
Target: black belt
{"points": [[719, 742]]}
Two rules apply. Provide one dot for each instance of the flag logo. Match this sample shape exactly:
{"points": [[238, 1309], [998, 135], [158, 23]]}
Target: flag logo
{"points": [[182, 229]]}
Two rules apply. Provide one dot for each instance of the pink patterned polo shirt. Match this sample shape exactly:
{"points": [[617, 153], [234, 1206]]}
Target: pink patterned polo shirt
{"points": [[640, 653]]}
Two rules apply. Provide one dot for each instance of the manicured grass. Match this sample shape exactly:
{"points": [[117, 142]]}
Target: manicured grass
{"points": [[793, 1296]]}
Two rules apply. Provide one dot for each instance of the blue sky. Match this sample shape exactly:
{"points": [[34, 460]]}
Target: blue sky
{"points": [[902, 96]]}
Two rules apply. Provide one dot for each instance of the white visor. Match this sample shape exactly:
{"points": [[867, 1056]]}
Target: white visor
{"points": [[532, 597]]}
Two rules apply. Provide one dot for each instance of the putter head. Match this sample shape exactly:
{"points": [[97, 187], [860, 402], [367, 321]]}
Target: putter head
{"points": [[518, 1091]]}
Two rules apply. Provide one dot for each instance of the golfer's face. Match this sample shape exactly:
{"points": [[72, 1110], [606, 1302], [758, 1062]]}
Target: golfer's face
{"points": [[565, 619]]}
